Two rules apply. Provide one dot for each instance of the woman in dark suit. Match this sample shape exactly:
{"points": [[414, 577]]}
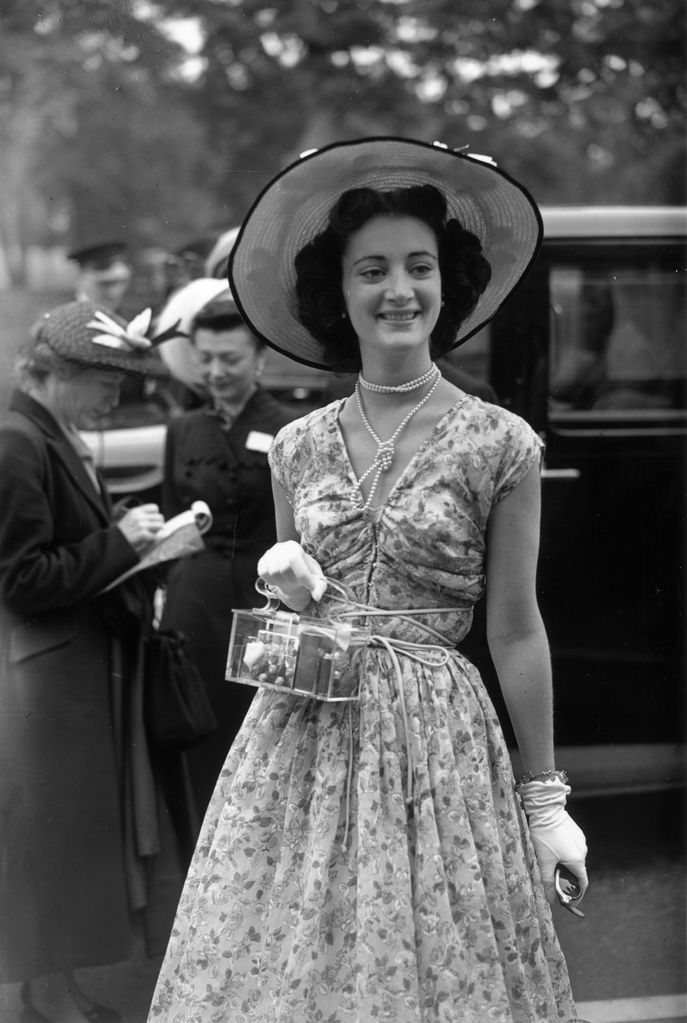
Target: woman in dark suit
{"points": [[218, 454], [85, 835]]}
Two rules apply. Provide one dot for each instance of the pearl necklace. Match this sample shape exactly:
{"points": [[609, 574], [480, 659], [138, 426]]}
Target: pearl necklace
{"points": [[410, 385], [386, 450]]}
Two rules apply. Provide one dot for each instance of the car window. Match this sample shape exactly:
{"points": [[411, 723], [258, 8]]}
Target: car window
{"points": [[617, 340]]}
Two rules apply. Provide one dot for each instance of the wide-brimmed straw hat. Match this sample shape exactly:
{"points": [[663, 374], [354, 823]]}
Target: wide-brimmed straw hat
{"points": [[97, 338], [218, 257], [294, 208]]}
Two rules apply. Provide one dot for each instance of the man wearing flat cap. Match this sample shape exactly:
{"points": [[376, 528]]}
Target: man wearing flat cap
{"points": [[104, 272]]}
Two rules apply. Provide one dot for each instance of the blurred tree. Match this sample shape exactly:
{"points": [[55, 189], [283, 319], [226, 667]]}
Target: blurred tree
{"points": [[584, 99], [102, 121], [97, 137]]}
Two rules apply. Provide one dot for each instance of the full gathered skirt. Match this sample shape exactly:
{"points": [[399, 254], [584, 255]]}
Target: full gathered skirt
{"points": [[318, 893], [369, 862]]}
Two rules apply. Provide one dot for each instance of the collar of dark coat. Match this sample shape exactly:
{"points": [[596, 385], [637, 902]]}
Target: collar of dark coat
{"points": [[261, 409], [37, 413], [47, 424]]}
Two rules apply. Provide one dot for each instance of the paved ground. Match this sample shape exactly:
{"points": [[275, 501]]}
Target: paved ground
{"points": [[628, 957]]}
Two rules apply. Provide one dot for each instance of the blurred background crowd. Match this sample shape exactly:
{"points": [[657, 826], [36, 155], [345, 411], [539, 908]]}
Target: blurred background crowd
{"points": [[154, 123]]}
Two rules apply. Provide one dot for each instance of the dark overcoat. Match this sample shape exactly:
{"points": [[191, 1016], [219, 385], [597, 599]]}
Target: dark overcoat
{"points": [[227, 468], [66, 883]]}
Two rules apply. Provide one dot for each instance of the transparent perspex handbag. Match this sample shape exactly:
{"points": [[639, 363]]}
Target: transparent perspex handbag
{"points": [[321, 658]]}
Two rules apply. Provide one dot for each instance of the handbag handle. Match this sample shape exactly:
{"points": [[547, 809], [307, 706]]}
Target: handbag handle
{"points": [[341, 593]]}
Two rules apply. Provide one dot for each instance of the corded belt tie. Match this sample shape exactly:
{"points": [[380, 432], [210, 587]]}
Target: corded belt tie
{"points": [[433, 655]]}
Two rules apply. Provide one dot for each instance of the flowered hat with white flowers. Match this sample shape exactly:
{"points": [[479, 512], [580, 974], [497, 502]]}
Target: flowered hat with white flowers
{"points": [[294, 207], [92, 336]]}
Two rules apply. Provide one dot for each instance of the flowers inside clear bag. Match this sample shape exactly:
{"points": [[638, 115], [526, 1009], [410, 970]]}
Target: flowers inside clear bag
{"points": [[320, 658]]}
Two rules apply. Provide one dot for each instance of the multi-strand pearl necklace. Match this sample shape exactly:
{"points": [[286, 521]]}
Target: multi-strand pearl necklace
{"points": [[386, 450], [410, 385]]}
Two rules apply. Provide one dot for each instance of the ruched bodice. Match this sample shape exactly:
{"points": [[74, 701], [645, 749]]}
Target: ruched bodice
{"points": [[426, 545]]}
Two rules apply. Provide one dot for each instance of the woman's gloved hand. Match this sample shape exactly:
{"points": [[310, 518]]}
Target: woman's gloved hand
{"points": [[555, 836], [293, 574]]}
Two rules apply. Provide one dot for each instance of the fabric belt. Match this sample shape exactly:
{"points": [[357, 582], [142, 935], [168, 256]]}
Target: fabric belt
{"points": [[433, 655], [422, 654]]}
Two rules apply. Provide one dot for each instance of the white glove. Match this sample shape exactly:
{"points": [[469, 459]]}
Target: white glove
{"points": [[555, 836], [293, 574]]}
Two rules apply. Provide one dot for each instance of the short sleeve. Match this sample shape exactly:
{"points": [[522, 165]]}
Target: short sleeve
{"points": [[521, 449], [295, 451], [277, 459], [289, 454]]}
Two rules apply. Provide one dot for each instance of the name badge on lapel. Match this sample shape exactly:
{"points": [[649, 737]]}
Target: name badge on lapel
{"points": [[257, 441]]}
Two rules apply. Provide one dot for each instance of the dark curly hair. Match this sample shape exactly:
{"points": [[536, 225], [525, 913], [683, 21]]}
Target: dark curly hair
{"points": [[219, 315], [465, 272]]}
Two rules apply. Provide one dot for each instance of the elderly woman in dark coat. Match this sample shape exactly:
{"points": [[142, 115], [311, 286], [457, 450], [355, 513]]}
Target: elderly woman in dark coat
{"points": [[84, 826], [218, 454]]}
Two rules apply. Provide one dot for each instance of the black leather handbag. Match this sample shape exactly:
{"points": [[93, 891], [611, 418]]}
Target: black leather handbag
{"points": [[178, 712]]}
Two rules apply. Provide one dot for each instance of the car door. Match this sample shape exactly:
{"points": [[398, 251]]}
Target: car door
{"points": [[592, 352]]}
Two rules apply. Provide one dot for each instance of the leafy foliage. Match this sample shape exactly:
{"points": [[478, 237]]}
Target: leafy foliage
{"points": [[106, 120], [601, 80]]}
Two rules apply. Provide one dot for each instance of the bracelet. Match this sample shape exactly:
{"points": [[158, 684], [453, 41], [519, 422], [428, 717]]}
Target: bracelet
{"points": [[542, 776]]}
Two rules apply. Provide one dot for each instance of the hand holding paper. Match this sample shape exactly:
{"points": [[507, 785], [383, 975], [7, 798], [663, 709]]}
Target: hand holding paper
{"points": [[176, 538]]}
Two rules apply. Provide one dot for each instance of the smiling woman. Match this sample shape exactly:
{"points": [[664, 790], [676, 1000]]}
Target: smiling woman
{"points": [[369, 859], [362, 219], [231, 361], [393, 297]]}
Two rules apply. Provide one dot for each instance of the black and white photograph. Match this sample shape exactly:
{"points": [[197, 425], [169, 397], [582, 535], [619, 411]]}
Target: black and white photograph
{"points": [[343, 511]]}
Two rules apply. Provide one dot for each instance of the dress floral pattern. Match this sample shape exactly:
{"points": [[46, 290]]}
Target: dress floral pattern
{"points": [[318, 893]]}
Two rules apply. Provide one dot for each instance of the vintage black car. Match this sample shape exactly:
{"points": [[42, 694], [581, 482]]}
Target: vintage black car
{"points": [[592, 351]]}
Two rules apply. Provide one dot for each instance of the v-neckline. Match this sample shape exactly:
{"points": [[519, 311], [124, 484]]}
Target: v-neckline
{"points": [[354, 479]]}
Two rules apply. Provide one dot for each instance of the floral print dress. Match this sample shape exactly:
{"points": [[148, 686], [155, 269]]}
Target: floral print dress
{"points": [[327, 886]]}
